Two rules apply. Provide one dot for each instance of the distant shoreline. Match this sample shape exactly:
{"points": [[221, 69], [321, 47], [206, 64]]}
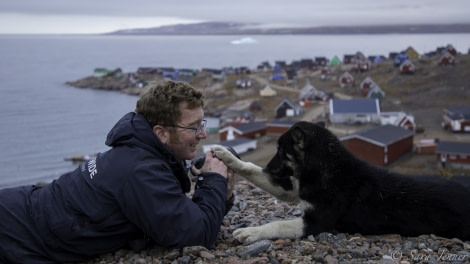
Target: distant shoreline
{"points": [[225, 28]]}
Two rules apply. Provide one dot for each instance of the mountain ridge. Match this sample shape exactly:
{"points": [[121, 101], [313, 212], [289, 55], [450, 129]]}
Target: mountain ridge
{"points": [[234, 28]]}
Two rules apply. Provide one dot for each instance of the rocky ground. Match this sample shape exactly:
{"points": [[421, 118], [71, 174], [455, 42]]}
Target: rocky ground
{"points": [[254, 207]]}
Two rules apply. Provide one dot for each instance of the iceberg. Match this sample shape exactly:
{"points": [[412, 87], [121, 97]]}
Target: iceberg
{"points": [[245, 40]]}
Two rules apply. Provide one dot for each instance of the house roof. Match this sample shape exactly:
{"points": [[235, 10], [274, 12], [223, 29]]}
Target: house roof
{"points": [[382, 135], [283, 123], [458, 112], [452, 147], [246, 127], [285, 100], [357, 106], [235, 142], [461, 109]]}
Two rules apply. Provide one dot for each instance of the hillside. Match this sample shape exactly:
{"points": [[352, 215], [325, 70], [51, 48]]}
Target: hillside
{"points": [[423, 94]]}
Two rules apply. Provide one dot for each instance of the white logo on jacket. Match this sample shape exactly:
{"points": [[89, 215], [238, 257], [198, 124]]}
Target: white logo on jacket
{"points": [[92, 168]]}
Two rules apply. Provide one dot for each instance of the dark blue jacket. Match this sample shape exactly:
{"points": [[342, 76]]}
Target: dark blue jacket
{"points": [[136, 188]]}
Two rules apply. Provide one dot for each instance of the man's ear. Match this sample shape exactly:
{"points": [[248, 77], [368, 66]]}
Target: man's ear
{"points": [[161, 133]]}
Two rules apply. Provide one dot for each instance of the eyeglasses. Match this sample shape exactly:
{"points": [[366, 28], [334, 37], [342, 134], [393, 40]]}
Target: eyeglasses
{"points": [[197, 130]]}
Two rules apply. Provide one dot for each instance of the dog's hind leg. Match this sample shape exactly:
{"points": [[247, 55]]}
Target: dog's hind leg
{"points": [[291, 229]]}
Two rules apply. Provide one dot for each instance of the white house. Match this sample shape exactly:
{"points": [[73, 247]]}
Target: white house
{"points": [[240, 145], [363, 110]]}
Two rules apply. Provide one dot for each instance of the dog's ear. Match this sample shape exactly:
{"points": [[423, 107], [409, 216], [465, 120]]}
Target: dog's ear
{"points": [[298, 137]]}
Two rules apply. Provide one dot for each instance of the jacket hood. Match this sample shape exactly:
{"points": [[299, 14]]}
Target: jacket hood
{"points": [[134, 131]]}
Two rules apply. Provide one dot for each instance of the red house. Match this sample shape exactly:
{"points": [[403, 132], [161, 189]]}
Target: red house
{"points": [[380, 145], [407, 67], [251, 130], [457, 118], [446, 59], [455, 154], [346, 80], [279, 126], [366, 85]]}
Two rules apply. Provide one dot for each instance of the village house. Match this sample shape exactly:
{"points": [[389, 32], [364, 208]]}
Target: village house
{"points": [[213, 124], [359, 56], [264, 66], [321, 61], [240, 145], [352, 111], [426, 146], [400, 119], [255, 106], [168, 72], [243, 83], [400, 58], [366, 85], [291, 74], [412, 53], [363, 65], [407, 67], [376, 93], [100, 72], [325, 72], [279, 127], [287, 108], [348, 58], [346, 80], [251, 130], [147, 70], [446, 59], [217, 74], [307, 64], [449, 48], [335, 61], [456, 118], [187, 72], [310, 94], [267, 91], [380, 145], [453, 154]]}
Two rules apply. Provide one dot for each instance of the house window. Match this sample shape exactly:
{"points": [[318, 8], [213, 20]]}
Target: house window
{"points": [[452, 156]]}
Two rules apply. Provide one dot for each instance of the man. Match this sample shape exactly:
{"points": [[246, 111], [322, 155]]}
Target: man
{"points": [[134, 190]]}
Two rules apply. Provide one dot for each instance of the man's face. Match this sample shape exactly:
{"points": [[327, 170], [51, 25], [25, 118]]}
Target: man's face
{"points": [[183, 141]]}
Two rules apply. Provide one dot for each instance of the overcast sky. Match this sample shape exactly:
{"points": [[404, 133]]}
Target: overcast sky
{"points": [[101, 16]]}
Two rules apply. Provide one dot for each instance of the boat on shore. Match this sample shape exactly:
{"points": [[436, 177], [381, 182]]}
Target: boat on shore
{"points": [[79, 158]]}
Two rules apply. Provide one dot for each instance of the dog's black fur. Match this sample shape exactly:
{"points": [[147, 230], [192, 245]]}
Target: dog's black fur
{"points": [[349, 195]]}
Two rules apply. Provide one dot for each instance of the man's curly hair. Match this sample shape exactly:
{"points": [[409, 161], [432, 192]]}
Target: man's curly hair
{"points": [[159, 102]]}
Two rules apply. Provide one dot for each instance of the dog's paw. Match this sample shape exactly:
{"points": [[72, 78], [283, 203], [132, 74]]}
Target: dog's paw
{"points": [[248, 235], [227, 157]]}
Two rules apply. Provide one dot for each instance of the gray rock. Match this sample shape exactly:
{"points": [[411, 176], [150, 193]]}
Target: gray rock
{"points": [[253, 249]]}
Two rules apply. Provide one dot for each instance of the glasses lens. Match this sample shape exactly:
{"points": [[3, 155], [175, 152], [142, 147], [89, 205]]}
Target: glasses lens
{"points": [[201, 127]]}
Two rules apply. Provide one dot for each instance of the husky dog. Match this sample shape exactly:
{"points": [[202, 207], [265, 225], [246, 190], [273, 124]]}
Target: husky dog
{"points": [[338, 192]]}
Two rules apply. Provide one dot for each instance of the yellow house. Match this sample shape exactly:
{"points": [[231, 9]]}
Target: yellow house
{"points": [[267, 91], [412, 53]]}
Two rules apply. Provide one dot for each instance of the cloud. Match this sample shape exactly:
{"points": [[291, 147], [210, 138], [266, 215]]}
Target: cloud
{"points": [[90, 16]]}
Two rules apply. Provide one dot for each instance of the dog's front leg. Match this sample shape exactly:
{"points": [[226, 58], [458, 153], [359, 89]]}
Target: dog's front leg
{"points": [[247, 169], [255, 175], [279, 229]]}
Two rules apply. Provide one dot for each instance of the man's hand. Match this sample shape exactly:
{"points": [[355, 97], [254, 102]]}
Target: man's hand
{"points": [[212, 164]]}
